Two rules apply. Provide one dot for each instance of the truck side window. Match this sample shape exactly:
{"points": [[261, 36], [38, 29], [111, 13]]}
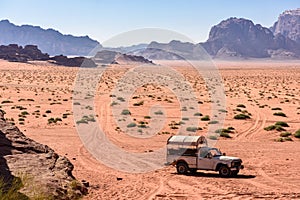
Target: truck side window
{"points": [[203, 153]]}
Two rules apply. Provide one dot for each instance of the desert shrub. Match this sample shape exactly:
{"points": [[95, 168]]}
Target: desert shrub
{"points": [[24, 113], [223, 130], [54, 120], [185, 118], [139, 103], [283, 124], [205, 118], [158, 112], [82, 121], [230, 128], [213, 122], [76, 103], [21, 119], [226, 135], [223, 110], [241, 116], [121, 99], [274, 127], [192, 129], [213, 137], [276, 108], [131, 125], [125, 112], [288, 139], [280, 114], [297, 134], [147, 117], [6, 101], [285, 134], [283, 139], [198, 114], [241, 106], [114, 103]]}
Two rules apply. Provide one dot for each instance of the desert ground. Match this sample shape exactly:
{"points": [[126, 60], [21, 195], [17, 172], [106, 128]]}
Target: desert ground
{"points": [[40, 99]]}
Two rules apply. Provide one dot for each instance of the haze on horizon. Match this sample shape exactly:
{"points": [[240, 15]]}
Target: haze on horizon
{"points": [[104, 19]]}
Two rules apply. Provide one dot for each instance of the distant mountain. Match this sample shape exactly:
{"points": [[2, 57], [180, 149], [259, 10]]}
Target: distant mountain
{"points": [[242, 38], [49, 40], [288, 25]]}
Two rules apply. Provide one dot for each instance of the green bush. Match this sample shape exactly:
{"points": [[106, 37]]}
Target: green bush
{"points": [[158, 112], [297, 134], [192, 129], [6, 101], [125, 112], [131, 125], [274, 127], [198, 114], [213, 137], [283, 124], [280, 114], [241, 106], [205, 118], [241, 116], [285, 134], [24, 113], [276, 108], [139, 103], [226, 135]]}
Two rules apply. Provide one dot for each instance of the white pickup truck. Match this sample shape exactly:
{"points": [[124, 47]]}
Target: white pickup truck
{"points": [[191, 153]]}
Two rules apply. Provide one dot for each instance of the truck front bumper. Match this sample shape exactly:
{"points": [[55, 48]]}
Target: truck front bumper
{"points": [[237, 168]]}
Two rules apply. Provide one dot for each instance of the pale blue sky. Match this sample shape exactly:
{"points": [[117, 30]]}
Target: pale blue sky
{"points": [[103, 19]]}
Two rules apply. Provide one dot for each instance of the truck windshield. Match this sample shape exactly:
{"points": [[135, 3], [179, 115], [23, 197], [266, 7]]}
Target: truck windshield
{"points": [[215, 152]]}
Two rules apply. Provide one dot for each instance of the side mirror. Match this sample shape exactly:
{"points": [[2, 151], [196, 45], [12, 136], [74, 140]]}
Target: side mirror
{"points": [[224, 154]]}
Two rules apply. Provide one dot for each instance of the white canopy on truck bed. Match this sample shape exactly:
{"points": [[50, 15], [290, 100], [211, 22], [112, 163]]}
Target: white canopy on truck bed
{"points": [[187, 140]]}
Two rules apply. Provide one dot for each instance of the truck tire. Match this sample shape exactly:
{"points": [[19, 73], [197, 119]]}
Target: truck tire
{"points": [[182, 168], [224, 171]]}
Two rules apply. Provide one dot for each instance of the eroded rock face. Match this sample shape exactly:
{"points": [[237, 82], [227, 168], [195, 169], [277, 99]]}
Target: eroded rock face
{"points": [[51, 174], [16, 53], [288, 25], [74, 62]]}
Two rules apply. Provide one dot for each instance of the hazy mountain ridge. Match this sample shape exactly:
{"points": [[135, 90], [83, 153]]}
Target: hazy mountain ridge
{"points": [[48, 40]]}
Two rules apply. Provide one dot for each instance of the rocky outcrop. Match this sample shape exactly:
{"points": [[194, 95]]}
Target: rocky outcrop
{"points": [[237, 37], [113, 57], [16, 53], [288, 25], [50, 174], [48, 40], [74, 62]]}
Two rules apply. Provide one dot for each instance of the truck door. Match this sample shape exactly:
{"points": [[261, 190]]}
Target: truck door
{"points": [[204, 159]]}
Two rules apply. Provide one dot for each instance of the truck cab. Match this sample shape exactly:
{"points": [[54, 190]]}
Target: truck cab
{"points": [[191, 153]]}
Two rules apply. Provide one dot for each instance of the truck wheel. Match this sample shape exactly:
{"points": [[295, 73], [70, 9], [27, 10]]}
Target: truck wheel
{"points": [[182, 168], [224, 171]]}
